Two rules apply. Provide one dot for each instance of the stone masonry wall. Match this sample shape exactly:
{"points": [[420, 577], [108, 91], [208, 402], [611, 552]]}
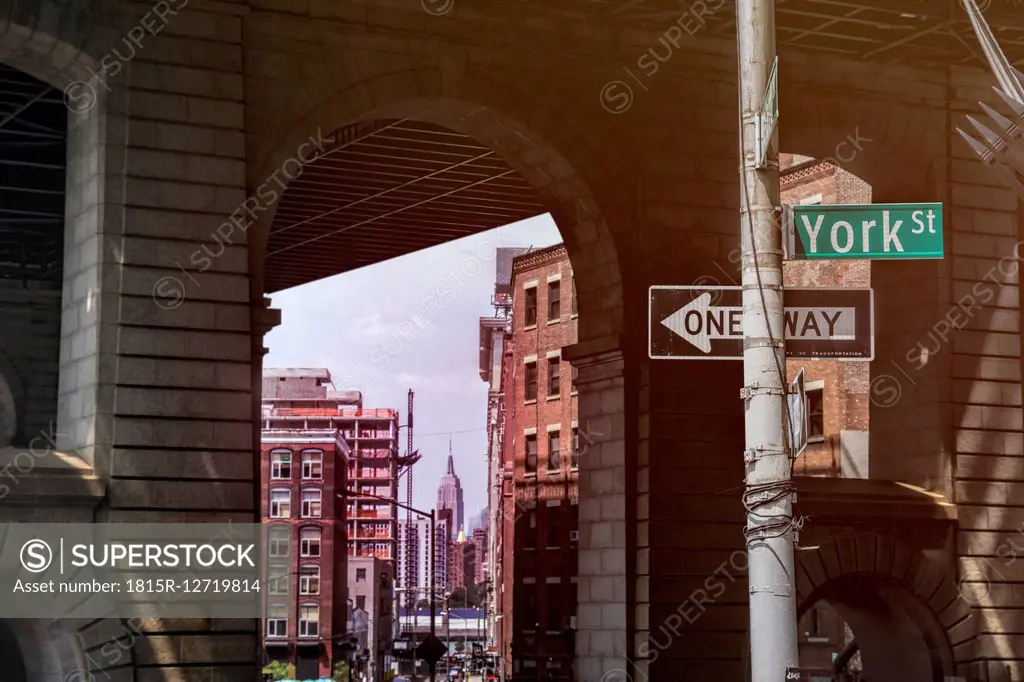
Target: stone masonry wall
{"points": [[182, 401]]}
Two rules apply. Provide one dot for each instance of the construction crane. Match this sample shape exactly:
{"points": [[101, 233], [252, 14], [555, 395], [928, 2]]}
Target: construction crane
{"points": [[405, 464]]}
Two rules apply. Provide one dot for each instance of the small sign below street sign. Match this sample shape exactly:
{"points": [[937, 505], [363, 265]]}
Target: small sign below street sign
{"points": [[868, 232], [797, 404], [689, 323], [768, 118]]}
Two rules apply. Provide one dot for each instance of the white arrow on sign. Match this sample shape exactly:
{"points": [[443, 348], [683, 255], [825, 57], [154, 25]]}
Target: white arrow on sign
{"points": [[698, 322]]}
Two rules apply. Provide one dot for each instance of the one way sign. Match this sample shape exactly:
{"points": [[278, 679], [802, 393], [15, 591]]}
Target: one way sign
{"points": [[706, 323]]}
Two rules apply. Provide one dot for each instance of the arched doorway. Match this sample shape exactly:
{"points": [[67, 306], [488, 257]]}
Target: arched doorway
{"points": [[33, 136], [872, 608], [891, 630], [409, 175]]}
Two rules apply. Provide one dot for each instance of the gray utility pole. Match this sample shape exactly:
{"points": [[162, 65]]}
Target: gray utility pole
{"points": [[768, 496]]}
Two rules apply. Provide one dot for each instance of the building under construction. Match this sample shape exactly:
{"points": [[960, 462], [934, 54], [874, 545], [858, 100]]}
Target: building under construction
{"points": [[304, 399]]}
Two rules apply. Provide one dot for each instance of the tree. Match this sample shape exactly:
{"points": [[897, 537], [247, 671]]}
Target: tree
{"points": [[475, 594], [457, 600], [279, 670], [341, 671]]}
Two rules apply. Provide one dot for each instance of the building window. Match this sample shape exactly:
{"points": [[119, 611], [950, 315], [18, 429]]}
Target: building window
{"points": [[279, 541], [312, 502], [575, 461], [575, 306], [277, 579], [361, 602], [280, 504], [554, 377], [309, 543], [312, 465], [554, 450], [530, 528], [531, 381], [816, 413], [277, 620], [281, 465], [360, 575], [531, 453], [575, 376], [309, 580], [815, 629], [554, 301], [530, 621], [531, 307], [309, 620], [554, 607]]}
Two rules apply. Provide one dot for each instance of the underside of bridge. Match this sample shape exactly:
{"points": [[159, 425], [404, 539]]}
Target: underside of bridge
{"points": [[385, 189], [389, 187], [449, 123]]}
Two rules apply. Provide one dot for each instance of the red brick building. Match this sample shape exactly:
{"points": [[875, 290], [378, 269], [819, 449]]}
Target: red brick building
{"points": [[837, 392], [299, 398], [300, 472], [539, 558], [480, 545]]}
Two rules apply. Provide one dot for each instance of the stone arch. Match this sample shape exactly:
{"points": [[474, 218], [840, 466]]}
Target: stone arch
{"points": [[55, 42], [521, 138], [49, 42], [38, 651], [905, 609], [565, 169]]}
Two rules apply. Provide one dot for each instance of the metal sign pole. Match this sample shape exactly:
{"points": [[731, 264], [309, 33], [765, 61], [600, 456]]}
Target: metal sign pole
{"points": [[768, 495]]}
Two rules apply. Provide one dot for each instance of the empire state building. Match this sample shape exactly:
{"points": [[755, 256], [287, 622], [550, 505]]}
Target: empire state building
{"points": [[449, 496]]}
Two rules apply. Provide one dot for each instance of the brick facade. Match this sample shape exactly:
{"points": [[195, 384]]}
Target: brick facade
{"points": [[844, 386], [313, 573], [540, 407]]}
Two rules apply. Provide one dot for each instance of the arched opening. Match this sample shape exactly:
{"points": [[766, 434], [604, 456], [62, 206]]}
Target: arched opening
{"points": [[38, 651], [33, 137], [837, 405], [411, 176], [866, 627], [53, 188]]}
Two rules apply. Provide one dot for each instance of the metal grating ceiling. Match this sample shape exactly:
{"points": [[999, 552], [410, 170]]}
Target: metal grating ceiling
{"points": [[385, 190], [923, 32], [33, 134]]}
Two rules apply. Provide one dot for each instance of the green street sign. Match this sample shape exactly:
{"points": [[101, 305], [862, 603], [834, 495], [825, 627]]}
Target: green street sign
{"points": [[867, 232]]}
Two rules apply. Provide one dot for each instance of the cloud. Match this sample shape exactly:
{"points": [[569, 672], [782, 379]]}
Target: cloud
{"points": [[370, 325]]}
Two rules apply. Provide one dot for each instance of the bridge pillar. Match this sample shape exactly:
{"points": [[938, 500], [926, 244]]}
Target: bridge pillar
{"points": [[945, 388], [605, 553], [691, 587]]}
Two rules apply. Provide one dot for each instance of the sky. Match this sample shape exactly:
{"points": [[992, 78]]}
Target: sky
{"points": [[411, 322]]}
